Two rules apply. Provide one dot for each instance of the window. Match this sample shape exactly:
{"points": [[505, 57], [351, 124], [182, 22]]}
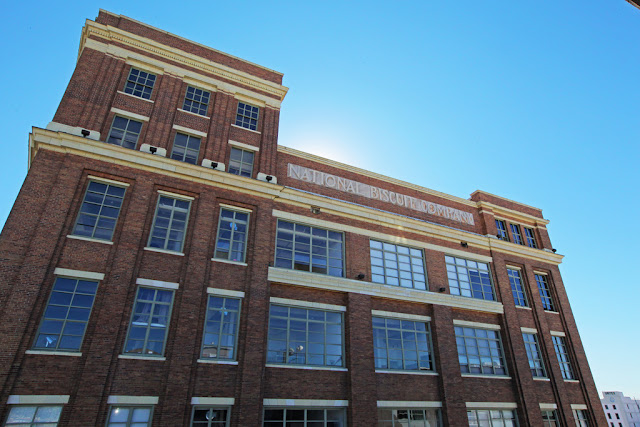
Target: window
{"points": [[519, 294], [196, 101], [186, 148], [124, 132], [550, 419], [580, 416], [531, 237], [491, 417], [617, 416], [169, 224], [480, 351], [563, 357], [149, 322], [241, 162], [409, 417], [140, 83], [401, 344], [515, 232], [33, 416], [300, 336], [99, 211], [66, 315], [210, 417], [536, 363], [299, 417], [247, 116], [306, 248], [469, 278], [397, 265], [221, 328], [232, 235], [545, 292], [502, 230], [609, 415], [130, 416]]}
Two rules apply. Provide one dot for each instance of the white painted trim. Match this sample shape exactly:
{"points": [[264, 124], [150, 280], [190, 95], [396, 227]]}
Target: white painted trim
{"points": [[402, 404], [243, 145], [129, 114], [491, 405], [541, 379], [73, 130], [529, 330], [226, 261], [571, 381], [299, 303], [542, 273], [53, 353], [176, 195], [144, 66], [225, 292], [89, 239], [78, 274], [38, 399], [217, 401], [133, 357], [217, 362], [190, 131], [551, 312], [108, 181], [195, 114], [396, 315], [247, 129], [235, 208], [391, 371], [548, 406], [513, 267], [136, 97], [307, 368], [132, 400], [497, 377], [523, 308], [163, 251], [306, 402], [157, 283], [249, 100], [579, 406], [557, 334], [490, 326], [199, 84]]}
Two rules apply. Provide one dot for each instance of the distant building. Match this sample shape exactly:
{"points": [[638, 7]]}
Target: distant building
{"points": [[620, 410]]}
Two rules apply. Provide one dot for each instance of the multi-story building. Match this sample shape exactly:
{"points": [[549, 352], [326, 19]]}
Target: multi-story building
{"points": [[167, 263], [620, 410]]}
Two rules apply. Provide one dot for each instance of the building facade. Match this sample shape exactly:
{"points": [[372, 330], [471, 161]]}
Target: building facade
{"points": [[167, 263], [620, 410]]}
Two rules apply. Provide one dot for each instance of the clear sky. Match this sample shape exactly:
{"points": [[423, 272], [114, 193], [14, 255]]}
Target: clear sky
{"points": [[534, 101]]}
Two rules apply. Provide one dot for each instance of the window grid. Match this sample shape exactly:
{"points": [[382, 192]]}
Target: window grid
{"points": [[402, 344], [241, 162], [130, 416], [502, 230], [99, 211], [531, 237], [140, 83], [65, 318], [469, 278], [409, 417], [247, 116], [169, 224], [580, 416], [196, 101], [221, 328], [491, 417], [210, 416], [300, 336], [545, 292], [304, 417], [186, 148], [33, 416], [149, 322], [563, 357], [480, 351], [549, 419], [232, 235], [519, 294], [306, 248], [536, 363], [515, 232], [397, 265], [124, 132]]}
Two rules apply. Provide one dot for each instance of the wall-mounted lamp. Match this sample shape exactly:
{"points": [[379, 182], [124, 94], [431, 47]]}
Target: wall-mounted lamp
{"points": [[360, 276], [269, 178], [214, 165], [442, 289], [554, 250], [153, 149], [464, 244], [315, 210], [85, 133]]}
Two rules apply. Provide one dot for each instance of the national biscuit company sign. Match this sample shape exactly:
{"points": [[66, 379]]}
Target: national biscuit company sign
{"points": [[349, 186]]}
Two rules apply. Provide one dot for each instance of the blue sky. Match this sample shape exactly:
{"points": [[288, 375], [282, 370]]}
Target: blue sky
{"points": [[534, 102]]}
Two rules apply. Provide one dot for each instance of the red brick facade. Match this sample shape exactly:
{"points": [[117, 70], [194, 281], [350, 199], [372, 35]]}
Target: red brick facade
{"points": [[35, 242]]}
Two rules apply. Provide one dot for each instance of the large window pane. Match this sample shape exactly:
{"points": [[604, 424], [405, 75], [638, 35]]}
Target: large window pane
{"points": [[221, 328], [169, 224], [480, 351], [469, 278], [99, 211], [397, 265], [149, 322]]}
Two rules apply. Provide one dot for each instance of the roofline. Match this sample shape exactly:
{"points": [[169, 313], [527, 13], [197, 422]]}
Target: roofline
{"points": [[504, 198]]}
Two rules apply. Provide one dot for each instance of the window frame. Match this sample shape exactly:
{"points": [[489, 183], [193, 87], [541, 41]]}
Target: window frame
{"points": [[244, 116], [581, 417], [530, 237], [233, 232], [125, 132], [518, 288], [500, 349], [227, 421], [502, 233], [155, 217], [530, 347], [385, 422], [220, 333], [193, 101], [241, 162], [131, 407], [396, 260], [516, 233], [563, 357], [186, 148], [401, 330], [102, 205], [140, 87], [544, 290], [490, 412], [456, 265], [343, 421], [550, 418], [32, 422]]}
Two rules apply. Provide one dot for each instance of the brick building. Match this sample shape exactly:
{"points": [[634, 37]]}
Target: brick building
{"points": [[167, 263]]}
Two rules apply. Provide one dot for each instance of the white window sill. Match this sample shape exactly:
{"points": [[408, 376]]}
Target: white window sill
{"points": [[163, 251], [523, 307], [551, 312], [247, 129], [53, 353], [306, 367], [194, 114], [571, 381], [136, 97], [89, 239], [390, 371], [497, 377], [541, 379], [141, 357], [218, 362], [226, 261]]}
